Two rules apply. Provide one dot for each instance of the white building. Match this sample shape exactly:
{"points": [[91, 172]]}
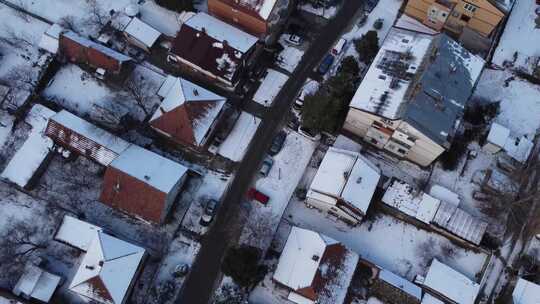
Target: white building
{"points": [[450, 285], [500, 138], [344, 185], [526, 292], [36, 284], [302, 264]]}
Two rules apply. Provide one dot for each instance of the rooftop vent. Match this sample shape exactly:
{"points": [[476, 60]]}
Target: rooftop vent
{"points": [[146, 177], [315, 258], [195, 92], [89, 267], [384, 96], [359, 180]]}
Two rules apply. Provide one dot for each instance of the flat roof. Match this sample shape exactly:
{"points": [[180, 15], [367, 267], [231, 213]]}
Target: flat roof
{"points": [[451, 284], [142, 32]]}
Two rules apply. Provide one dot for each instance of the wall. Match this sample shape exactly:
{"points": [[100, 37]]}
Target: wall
{"points": [[77, 53], [134, 197], [238, 17], [333, 209]]}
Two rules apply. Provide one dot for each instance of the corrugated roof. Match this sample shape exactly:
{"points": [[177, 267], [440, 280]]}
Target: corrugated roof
{"points": [[459, 222]]}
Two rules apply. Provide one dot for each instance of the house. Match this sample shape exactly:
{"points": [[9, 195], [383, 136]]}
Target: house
{"points": [[437, 213], [50, 39], [188, 113], [36, 284], [258, 17], [212, 48], [455, 16], [107, 270], [80, 50], [344, 185], [411, 101], [526, 292], [303, 264], [142, 184], [449, 285], [81, 137], [500, 138], [141, 34]]}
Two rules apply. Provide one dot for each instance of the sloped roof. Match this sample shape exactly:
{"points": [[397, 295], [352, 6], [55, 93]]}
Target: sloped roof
{"points": [[401, 283], [451, 284], [150, 168], [96, 46], [433, 79], [37, 283], [76, 233], [347, 175], [142, 32], [107, 269], [526, 292], [202, 107], [261, 8], [460, 223]]}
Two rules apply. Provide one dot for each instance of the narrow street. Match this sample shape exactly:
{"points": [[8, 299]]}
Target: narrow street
{"points": [[206, 270]]}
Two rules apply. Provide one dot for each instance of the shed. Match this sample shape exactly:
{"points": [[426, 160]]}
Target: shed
{"points": [[141, 34], [188, 113], [82, 137], [142, 184], [36, 284], [450, 285], [108, 270]]}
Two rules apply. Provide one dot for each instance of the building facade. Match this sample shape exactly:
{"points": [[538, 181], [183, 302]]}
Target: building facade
{"points": [[481, 16]]}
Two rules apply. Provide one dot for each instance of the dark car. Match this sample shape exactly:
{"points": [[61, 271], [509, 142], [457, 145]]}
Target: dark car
{"points": [[209, 212], [277, 143], [326, 64], [266, 166]]}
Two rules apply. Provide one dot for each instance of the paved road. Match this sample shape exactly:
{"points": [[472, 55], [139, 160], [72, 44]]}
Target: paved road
{"points": [[200, 284]]}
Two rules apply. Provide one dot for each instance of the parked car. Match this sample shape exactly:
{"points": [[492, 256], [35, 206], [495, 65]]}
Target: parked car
{"points": [[309, 133], [294, 39], [277, 143], [326, 63], [338, 47], [254, 194], [229, 118], [209, 212], [267, 164]]}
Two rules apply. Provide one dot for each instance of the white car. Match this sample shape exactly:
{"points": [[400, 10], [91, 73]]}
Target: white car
{"points": [[338, 47]]}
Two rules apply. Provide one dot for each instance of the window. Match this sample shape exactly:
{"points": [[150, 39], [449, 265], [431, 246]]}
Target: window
{"points": [[443, 14], [469, 7], [465, 18]]}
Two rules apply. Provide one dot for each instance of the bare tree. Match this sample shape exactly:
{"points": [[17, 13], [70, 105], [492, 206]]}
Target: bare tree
{"points": [[20, 242], [69, 23], [96, 15], [142, 91], [260, 230], [21, 12], [22, 77]]}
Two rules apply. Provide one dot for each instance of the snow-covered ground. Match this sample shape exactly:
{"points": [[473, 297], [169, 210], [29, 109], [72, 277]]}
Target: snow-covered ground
{"points": [[287, 170], [270, 87], [82, 94], [236, 144], [391, 243], [326, 13], [520, 100], [163, 20], [291, 55], [520, 38]]}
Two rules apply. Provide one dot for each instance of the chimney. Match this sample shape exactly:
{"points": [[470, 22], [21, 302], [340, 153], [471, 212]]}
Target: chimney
{"points": [[89, 267], [146, 177]]}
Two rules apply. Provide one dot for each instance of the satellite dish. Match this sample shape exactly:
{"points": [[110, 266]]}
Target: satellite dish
{"points": [[132, 10]]}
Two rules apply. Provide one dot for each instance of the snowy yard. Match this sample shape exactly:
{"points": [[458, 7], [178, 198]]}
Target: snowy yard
{"points": [[287, 170], [520, 38], [236, 144], [270, 87], [391, 243]]}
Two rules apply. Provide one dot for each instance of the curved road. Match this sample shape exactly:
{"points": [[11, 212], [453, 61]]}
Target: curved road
{"points": [[200, 284]]}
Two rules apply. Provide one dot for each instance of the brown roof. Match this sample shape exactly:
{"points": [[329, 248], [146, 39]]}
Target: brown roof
{"points": [[212, 55]]}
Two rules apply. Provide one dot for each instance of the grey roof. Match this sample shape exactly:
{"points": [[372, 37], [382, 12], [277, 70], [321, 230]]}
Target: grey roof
{"points": [[443, 90], [96, 46]]}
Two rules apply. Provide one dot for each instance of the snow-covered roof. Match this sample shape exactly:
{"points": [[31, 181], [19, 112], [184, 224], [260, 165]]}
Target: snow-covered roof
{"points": [[202, 105], [300, 258], [498, 134], [451, 284], [222, 31], [96, 46], [401, 283], [428, 208], [150, 168], [408, 23], [460, 223], [310, 87], [36, 283], [526, 292], [49, 39], [270, 87], [88, 130], [347, 175], [429, 299], [142, 32], [519, 148], [445, 194], [401, 196], [107, 269], [76, 233], [405, 82], [262, 7]]}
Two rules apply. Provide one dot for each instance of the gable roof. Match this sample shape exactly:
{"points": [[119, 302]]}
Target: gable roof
{"points": [[36, 283], [347, 175], [142, 32], [150, 168], [423, 80], [107, 269], [451, 284], [201, 108], [258, 8], [96, 46], [526, 292]]}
